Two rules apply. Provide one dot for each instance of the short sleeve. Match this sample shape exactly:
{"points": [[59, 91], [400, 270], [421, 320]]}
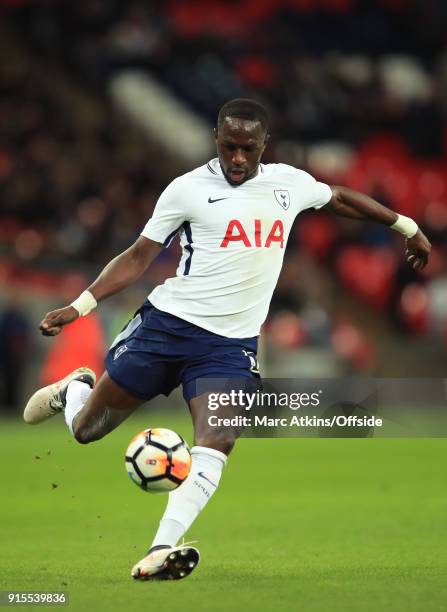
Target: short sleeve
{"points": [[168, 217], [322, 195], [313, 193]]}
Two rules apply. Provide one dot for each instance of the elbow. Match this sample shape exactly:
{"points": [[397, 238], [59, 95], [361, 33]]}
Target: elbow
{"points": [[337, 203], [336, 192]]}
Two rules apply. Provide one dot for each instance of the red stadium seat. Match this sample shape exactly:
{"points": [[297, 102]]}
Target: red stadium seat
{"points": [[317, 233], [353, 345], [286, 330], [413, 307], [368, 273]]}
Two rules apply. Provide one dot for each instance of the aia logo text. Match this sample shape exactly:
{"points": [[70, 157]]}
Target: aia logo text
{"points": [[258, 236]]}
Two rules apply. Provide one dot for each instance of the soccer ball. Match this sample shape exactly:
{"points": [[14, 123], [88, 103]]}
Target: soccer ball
{"points": [[158, 460]]}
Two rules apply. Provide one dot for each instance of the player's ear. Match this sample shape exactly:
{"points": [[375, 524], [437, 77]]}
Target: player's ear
{"points": [[215, 133], [266, 139]]}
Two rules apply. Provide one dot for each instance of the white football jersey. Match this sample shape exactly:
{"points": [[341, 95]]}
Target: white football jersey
{"points": [[233, 241]]}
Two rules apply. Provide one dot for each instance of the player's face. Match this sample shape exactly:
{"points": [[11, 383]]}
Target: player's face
{"points": [[240, 145]]}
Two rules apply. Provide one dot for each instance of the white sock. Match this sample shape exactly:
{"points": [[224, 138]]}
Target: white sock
{"points": [[186, 502], [77, 394]]}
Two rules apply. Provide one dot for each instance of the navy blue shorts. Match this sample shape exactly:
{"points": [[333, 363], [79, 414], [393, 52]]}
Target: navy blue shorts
{"points": [[157, 351]]}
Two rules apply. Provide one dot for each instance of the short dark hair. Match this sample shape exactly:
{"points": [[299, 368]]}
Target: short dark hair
{"points": [[243, 108]]}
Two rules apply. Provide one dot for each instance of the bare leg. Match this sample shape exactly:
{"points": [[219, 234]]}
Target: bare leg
{"points": [[106, 407], [219, 438]]}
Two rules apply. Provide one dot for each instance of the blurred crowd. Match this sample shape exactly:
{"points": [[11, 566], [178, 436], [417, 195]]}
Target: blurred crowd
{"points": [[16, 342], [357, 91]]}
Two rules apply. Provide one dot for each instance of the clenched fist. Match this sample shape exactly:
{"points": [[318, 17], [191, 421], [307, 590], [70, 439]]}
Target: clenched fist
{"points": [[54, 321], [418, 250]]}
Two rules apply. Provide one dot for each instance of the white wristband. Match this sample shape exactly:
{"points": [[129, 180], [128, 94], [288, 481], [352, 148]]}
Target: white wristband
{"points": [[85, 303], [405, 226]]}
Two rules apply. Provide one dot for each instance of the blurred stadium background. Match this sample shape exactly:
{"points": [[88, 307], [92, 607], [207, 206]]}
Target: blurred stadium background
{"points": [[104, 102]]}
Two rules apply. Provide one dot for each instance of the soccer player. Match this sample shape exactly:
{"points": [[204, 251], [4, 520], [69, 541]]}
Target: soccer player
{"points": [[234, 216]]}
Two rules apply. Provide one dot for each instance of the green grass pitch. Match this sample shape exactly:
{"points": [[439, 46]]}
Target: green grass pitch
{"points": [[297, 524]]}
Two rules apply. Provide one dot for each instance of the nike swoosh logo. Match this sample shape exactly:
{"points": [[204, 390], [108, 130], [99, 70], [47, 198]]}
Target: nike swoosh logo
{"points": [[201, 474], [210, 201]]}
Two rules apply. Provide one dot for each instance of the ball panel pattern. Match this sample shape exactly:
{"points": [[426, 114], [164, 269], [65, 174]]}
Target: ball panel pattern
{"points": [[158, 460]]}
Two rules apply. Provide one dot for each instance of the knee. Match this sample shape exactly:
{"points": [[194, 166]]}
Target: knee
{"points": [[83, 435]]}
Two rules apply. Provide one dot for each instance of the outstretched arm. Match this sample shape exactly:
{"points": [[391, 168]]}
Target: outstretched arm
{"points": [[118, 274], [355, 205]]}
